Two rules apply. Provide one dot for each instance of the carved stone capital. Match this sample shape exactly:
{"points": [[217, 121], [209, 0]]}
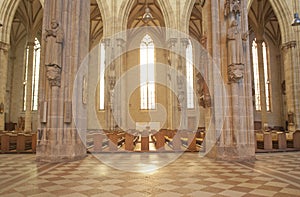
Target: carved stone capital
{"points": [[235, 72], [203, 41], [172, 42], [4, 46], [120, 42], [53, 73], [232, 7], [288, 45], [106, 42], [184, 42]]}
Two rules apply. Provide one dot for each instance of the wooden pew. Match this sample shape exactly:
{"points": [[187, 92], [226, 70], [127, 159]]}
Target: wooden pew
{"points": [[259, 139], [5, 143], [159, 139], [281, 140], [113, 141], [177, 141], [274, 140], [290, 139], [33, 142], [192, 141], [20, 142], [130, 140], [296, 139], [145, 141], [98, 142]]}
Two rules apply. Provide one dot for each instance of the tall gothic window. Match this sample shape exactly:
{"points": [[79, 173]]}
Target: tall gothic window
{"points": [[190, 76], [147, 73], [257, 79], [102, 73], [35, 76]]}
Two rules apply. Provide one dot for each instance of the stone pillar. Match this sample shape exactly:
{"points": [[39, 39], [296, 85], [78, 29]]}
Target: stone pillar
{"points": [[119, 102], [66, 38], [181, 83], [231, 135], [110, 80], [3, 80], [289, 53], [171, 83], [30, 59], [296, 81], [10, 85]]}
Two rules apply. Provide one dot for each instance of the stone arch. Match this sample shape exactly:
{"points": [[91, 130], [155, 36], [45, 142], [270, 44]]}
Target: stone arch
{"points": [[167, 12], [105, 14], [7, 13], [186, 15], [284, 16]]}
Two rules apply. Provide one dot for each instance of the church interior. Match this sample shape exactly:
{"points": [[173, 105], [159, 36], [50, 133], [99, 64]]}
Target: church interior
{"points": [[149, 98]]}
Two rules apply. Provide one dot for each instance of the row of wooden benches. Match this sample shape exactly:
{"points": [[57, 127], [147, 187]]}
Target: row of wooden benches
{"points": [[99, 141], [277, 140], [114, 141], [20, 143]]}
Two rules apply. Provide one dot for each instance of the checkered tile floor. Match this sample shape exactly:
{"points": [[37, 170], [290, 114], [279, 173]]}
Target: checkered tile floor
{"points": [[273, 174]]}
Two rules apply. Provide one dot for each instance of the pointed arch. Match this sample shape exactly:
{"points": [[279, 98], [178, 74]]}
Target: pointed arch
{"points": [[186, 15], [7, 13], [105, 14], [284, 15]]}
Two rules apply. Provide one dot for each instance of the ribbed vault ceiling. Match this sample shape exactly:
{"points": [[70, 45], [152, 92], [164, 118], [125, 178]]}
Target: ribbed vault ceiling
{"points": [[263, 19]]}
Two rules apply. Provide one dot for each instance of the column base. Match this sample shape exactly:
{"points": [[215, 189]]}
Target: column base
{"points": [[60, 153], [233, 153]]}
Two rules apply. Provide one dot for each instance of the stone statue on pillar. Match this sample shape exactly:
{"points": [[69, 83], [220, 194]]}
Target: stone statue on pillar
{"points": [[234, 42], [204, 98], [54, 44]]}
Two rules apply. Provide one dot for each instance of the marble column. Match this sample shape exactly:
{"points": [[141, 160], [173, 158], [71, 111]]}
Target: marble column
{"points": [[3, 81], [30, 59], [63, 125]]}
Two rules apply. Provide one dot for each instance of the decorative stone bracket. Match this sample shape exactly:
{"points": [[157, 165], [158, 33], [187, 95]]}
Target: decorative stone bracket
{"points": [[235, 72], [54, 74]]}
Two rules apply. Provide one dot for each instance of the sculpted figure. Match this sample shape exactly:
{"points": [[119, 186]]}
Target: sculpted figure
{"points": [[235, 45], [54, 43]]}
